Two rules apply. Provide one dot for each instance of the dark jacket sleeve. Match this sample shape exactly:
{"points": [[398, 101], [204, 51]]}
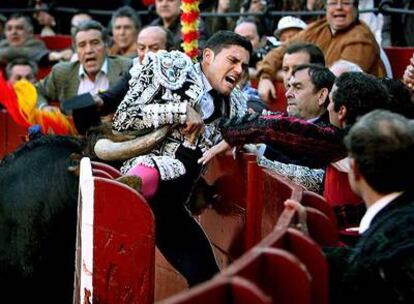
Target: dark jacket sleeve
{"points": [[115, 94]]}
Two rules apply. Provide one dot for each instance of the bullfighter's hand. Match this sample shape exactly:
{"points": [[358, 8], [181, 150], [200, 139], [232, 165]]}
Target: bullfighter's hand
{"points": [[213, 151], [194, 123]]}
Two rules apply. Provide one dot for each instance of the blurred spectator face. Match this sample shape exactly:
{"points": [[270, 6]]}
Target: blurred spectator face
{"points": [[257, 6], [45, 18], [340, 13], [167, 9], [18, 31], [151, 39], [21, 71], [77, 19], [302, 98], [290, 61], [91, 50], [225, 69], [249, 30], [124, 32], [288, 33]]}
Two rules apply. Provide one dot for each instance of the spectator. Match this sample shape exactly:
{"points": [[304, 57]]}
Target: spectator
{"points": [[21, 69], [308, 91], [20, 43], [153, 39], [94, 71], [77, 19], [45, 20], [125, 25], [215, 24], [340, 35], [249, 29], [378, 269], [307, 95], [150, 39], [374, 21], [299, 53], [168, 12], [287, 27]]}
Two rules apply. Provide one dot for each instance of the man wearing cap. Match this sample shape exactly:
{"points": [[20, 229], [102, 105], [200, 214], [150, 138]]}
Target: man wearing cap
{"points": [[287, 27], [340, 35]]}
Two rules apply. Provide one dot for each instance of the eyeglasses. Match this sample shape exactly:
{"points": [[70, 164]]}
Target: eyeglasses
{"points": [[342, 3]]}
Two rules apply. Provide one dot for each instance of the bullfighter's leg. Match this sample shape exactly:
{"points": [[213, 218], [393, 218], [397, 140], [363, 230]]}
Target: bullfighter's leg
{"points": [[179, 237]]}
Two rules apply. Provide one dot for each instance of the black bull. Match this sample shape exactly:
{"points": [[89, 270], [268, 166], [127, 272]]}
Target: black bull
{"points": [[38, 205]]}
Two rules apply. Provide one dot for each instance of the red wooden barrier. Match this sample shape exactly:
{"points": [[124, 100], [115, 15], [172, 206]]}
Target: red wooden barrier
{"points": [[399, 58], [321, 228], [309, 253], [222, 290], [280, 103], [3, 133], [57, 42], [318, 202], [11, 134], [114, 173], [276, 189], [224, 220], [116, 242], [277, 272]]}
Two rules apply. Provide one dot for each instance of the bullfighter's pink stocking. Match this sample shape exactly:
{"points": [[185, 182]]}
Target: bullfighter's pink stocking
{"points": [[150, 179]]}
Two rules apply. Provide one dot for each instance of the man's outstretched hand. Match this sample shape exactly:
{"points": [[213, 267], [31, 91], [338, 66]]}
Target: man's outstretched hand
{"points": [[213, 151]]}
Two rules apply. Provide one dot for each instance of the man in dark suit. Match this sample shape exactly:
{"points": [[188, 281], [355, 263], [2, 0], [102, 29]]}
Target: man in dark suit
{"points": [[379, 269], [308, 98], [92, 73]]}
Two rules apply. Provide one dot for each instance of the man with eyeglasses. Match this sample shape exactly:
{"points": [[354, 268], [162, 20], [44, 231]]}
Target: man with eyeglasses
{"points": [[340, 35]]}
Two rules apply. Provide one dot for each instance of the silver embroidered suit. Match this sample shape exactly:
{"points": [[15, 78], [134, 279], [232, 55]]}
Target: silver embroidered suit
{"points": [[159, 91]]}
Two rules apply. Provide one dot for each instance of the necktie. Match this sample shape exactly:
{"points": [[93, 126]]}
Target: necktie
{"points": [[217, 101]]}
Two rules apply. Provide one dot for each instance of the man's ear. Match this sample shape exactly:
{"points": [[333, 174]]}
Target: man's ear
{"points": [[342, 114], [208, 55], [323, 95], [355, 169]]}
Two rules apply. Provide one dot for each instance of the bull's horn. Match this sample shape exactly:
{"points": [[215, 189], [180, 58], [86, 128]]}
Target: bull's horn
{"points": [[108, 150]]}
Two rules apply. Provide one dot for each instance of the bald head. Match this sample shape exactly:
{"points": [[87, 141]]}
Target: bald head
{"points": [[151, 39]]}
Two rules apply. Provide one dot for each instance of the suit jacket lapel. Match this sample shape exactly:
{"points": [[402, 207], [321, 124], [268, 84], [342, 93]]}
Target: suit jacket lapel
{"points": [[114, 72], [72, 82]]}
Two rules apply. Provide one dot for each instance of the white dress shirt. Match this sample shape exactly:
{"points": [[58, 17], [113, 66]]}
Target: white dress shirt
{"points": [[373, 210], [206, 103], [101, 83]]}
